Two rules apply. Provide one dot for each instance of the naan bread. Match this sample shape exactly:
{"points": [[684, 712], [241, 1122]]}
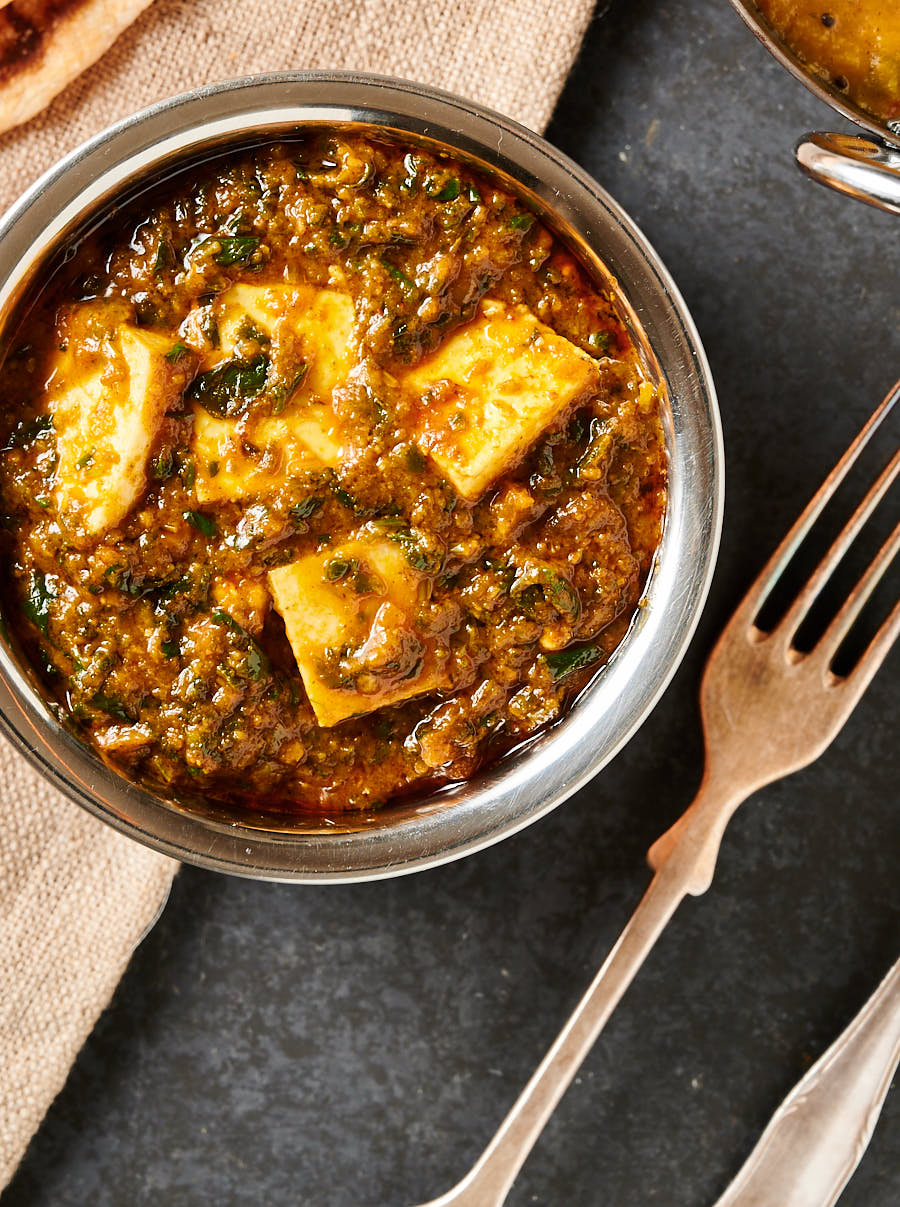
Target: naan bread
{"points": [[45, 44]]}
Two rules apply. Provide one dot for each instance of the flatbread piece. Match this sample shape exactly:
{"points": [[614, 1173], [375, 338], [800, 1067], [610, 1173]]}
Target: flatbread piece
{"points": [[45, 44]]}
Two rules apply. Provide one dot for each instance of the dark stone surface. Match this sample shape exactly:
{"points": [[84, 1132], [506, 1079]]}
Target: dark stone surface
{"points": [[357, 1046]]}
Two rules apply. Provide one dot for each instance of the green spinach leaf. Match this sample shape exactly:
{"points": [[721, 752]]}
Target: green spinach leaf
{"points": [[226, 389]]}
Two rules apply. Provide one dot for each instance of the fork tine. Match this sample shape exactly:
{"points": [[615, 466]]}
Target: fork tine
{"points": [[777, 563], [875, 653], [837, 630], [803, 602]]}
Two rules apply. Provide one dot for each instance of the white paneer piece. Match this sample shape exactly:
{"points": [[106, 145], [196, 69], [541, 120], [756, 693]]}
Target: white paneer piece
{"points": [[350, 616], [490, 390], [243, 460], [308, 330], [322, 319], [108, 396]]}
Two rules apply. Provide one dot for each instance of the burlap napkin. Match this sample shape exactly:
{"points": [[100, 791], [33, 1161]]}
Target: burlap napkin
{"points": [[75, 897]]}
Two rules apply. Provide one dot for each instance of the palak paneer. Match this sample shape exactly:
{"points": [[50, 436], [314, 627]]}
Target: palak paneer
{"points": [[328, 475]]}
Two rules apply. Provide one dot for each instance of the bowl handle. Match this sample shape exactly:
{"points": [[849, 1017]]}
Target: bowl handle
{"points": [[865, 168]]}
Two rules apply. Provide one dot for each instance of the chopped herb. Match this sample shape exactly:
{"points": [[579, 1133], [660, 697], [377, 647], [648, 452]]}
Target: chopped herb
{"points": [[522, 222], [42, 501], [601, 434], [380, 412], [367, 584], [236, 223], [249, 330], [528, 597], [397, 274], [122, 579], [258, 664], [170, 649], [281, 395], [213, 468], [415, 459], [448, 192], [424, 560], [346, 499], [203, 523], [220, 616], [36, 604], [165, 257], [113, 706], [233, 249], [563, 596], [577, 429], [187, 471], [26, 431], [177, 586], [175, 353], [225, 390], [600, 340], [85, 460], [339, 567], [302, 511], [210, 328], [473, 193], [163, 465], [566, 662]]}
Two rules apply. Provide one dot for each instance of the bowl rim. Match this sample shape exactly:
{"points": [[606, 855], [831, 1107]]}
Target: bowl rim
{"points": [[549, 768], [766, 33]]}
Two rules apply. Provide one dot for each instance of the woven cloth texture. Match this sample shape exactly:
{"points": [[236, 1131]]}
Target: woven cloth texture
{"points": [[76, 897]]}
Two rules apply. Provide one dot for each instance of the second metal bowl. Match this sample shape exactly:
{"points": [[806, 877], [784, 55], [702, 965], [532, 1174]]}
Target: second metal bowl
{"points": [[866, 167]]}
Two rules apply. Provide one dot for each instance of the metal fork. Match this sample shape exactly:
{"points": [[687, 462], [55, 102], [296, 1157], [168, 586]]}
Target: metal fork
{"points": [[768, 710]]}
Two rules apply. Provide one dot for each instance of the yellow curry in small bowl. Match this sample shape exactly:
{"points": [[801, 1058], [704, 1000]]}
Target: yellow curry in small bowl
{"points": [[854, 45], [327, 475]]}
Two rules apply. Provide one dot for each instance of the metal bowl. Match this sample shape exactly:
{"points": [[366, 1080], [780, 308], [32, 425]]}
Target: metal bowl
{"points": [[551, 766], [864, 167]]}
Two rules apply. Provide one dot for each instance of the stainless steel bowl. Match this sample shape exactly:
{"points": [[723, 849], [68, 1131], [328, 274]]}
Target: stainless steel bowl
{"points": [[864, 167], [550, 767]]}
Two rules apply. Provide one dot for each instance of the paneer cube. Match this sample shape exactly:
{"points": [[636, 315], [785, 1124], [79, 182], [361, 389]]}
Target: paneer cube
{"points": [[108, 398], [316, 323], [239, 460], [350, 615], [490, 390], [306, 334]]}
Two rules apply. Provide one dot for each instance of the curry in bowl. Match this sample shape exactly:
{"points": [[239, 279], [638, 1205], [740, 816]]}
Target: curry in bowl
{"points": [[328, 476], [854, 45]]}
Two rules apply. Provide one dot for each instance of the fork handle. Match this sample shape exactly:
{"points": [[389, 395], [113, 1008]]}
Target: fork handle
{"points": [[684, 867], [818, 1135]]}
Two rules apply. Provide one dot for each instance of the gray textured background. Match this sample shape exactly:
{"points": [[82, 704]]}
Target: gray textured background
{"points": [[357, 1046]]}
